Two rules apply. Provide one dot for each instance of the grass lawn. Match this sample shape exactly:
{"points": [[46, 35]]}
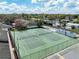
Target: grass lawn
{"points": [[75, 30]]}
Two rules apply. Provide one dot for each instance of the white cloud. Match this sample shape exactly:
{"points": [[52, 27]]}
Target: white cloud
{"points": [[37, 1], [63, 6], [34, 1], [12, 8], [48, 6], [53, 2]]}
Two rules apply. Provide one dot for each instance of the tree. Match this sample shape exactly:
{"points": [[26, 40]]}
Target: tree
{"points": [[73, 27], [21, 24], [39, 23]]}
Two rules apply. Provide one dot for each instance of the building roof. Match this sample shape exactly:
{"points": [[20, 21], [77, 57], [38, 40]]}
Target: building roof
{"points": [[3, 36], [4, 47], [39, 43], [72, 24], [4, 25], [4, 51]]}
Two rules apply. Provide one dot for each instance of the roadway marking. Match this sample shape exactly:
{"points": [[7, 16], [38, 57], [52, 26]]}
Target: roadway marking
{"points": [[61, 57]]}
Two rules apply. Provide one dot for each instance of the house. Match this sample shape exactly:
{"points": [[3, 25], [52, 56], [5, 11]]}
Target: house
{"points": [[4, 27], [52, 22], [69, 25]]}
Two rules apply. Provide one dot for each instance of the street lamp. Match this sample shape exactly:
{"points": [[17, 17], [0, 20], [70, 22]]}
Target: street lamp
{"points": [[14, 29]]}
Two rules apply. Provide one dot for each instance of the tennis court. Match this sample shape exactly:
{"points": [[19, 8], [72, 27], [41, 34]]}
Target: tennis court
{"points": [[39, 43]]}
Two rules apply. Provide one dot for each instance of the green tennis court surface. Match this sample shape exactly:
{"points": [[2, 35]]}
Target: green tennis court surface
{"points": [[39, 43]]}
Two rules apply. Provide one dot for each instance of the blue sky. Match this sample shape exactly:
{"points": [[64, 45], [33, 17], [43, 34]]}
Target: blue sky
{"points": [[39, 6]]}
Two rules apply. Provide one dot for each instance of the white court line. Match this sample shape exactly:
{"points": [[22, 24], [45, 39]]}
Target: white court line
{"points": [[61, 57]]}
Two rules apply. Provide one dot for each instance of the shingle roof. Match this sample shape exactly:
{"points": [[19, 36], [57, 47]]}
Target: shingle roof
{"points": [[4, 51], [3, 35], [4, 47]]}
